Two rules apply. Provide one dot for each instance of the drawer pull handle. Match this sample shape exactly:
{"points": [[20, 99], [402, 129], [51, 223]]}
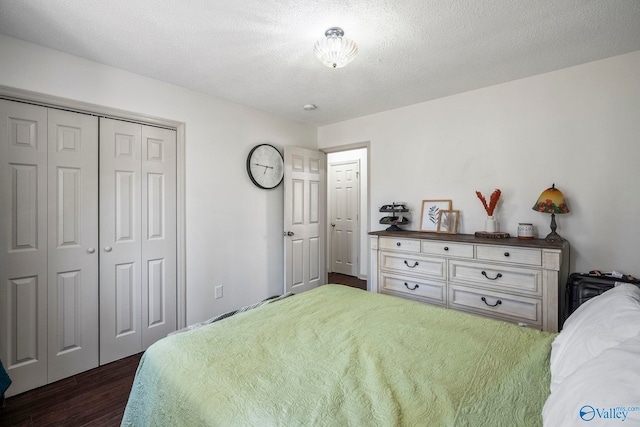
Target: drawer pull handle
{"points": [[490, 305], [411, 289], [484, 273], [410, 266], [446, 248], [398, 244], [507, 254]]}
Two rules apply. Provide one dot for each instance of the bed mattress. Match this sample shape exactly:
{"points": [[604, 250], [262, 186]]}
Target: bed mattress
{"points": [[337, 356]]}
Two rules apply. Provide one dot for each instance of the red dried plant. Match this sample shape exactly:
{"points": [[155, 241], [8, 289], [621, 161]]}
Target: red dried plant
{"points": [[493, 201]]}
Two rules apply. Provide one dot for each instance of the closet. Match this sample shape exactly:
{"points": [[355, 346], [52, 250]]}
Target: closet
{"points": [[88, 234]]}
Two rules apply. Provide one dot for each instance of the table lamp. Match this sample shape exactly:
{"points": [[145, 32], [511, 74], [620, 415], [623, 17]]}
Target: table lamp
{"points": [[552, 201]]}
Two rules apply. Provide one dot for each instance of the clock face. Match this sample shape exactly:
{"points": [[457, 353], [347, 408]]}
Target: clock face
{"points": [[265, 166]]}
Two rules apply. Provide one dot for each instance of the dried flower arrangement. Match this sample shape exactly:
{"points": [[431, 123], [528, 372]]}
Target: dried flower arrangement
{"points": [[493, 201]]}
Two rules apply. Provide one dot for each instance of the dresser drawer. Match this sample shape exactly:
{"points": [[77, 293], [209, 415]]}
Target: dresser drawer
{"points": [[405, 245], [494, 304], [413, 264], [447, 249], [509, 254], [496, 276], [431, 290]]}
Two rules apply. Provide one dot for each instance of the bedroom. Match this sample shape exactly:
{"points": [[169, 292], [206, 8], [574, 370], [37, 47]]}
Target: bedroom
{"points": [[576, 126]]}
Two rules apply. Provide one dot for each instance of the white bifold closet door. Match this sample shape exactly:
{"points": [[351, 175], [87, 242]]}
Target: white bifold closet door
{"points": [[137, 237], [87, 241], [72, 244], [48, 232]]}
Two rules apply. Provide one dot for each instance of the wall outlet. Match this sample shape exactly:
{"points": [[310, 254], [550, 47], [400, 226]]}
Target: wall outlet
{"points": [[218, 292]]}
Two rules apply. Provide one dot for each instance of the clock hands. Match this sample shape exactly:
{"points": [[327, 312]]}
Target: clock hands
{"points": [[264, 166]]}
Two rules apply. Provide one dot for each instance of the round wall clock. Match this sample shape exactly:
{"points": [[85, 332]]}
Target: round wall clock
{"points": [[265, 166]]}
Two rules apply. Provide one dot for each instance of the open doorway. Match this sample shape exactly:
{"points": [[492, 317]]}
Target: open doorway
{"points": [[347, 217]]}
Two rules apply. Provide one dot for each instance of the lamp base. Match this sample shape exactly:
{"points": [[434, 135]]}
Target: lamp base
{"points": [[553, 237]]}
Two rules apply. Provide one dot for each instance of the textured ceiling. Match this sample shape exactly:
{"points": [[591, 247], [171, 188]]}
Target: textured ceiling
{"points": [[260, 52]]}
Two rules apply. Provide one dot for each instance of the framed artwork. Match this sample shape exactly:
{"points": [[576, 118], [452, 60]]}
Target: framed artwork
{"points": [[430, 211], [448, 221]]}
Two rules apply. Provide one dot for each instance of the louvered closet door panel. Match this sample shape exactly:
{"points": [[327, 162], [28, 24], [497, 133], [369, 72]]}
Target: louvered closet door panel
{"points": [[72, 244], [23, 240], [158, 234], [121, 236]]}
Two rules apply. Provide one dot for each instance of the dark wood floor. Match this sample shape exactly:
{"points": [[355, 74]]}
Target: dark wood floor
{"points": [[93, 398], [342, 279]]}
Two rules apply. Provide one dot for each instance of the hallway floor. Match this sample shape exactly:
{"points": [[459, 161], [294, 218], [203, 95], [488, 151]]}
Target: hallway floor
{"points": [[343, 279]]}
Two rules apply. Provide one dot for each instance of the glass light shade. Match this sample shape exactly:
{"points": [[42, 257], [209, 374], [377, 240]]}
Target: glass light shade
{"points": [[551, 201], [335, 50]]}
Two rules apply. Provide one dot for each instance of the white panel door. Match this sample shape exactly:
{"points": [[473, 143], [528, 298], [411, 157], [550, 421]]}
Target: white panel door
{"points": [[158, 234], [344, 200], [72, 244], [23, 236], [304, 219], [137, 237], [120, 240]]}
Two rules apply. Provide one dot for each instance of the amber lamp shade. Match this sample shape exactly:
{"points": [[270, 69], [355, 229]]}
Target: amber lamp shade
{"points": [[552, 201]]}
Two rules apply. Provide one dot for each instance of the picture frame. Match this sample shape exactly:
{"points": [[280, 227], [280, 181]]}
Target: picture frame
{"points": [[429, 214], [448, 221]]}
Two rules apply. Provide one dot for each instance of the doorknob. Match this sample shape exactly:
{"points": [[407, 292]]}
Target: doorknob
{"points": [[107, 248], [333, 225], [91, 250], [288, 233]]}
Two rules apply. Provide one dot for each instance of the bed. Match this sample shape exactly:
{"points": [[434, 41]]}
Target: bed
{"points": [[337, 356]]}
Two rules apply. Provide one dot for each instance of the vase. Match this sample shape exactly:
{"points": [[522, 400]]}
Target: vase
{"points": [[490, 225]]}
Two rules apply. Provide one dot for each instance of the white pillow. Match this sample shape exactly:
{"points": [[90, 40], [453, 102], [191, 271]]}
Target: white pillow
{"points": [[600, 323], [605, 390]]}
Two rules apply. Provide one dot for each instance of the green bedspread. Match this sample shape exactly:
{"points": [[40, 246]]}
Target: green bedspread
{"points": [[337, 356]]}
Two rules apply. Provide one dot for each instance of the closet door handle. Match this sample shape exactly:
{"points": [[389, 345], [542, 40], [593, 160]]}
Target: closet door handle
{"points": [[107, 248], [91, 250]]}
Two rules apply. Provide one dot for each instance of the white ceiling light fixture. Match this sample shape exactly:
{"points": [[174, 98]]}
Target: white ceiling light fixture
{"points": [[335, 50]]}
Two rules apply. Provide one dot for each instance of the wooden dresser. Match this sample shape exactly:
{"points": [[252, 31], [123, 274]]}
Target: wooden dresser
{"points": [[508, 279]]}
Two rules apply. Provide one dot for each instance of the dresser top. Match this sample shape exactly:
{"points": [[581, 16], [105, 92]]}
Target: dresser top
{"points": [[470, 238]]}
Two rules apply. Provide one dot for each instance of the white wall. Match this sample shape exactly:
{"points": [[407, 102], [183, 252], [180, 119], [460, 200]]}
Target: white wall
{"points": [[233, 229], [359, 154], [578, 128]]}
